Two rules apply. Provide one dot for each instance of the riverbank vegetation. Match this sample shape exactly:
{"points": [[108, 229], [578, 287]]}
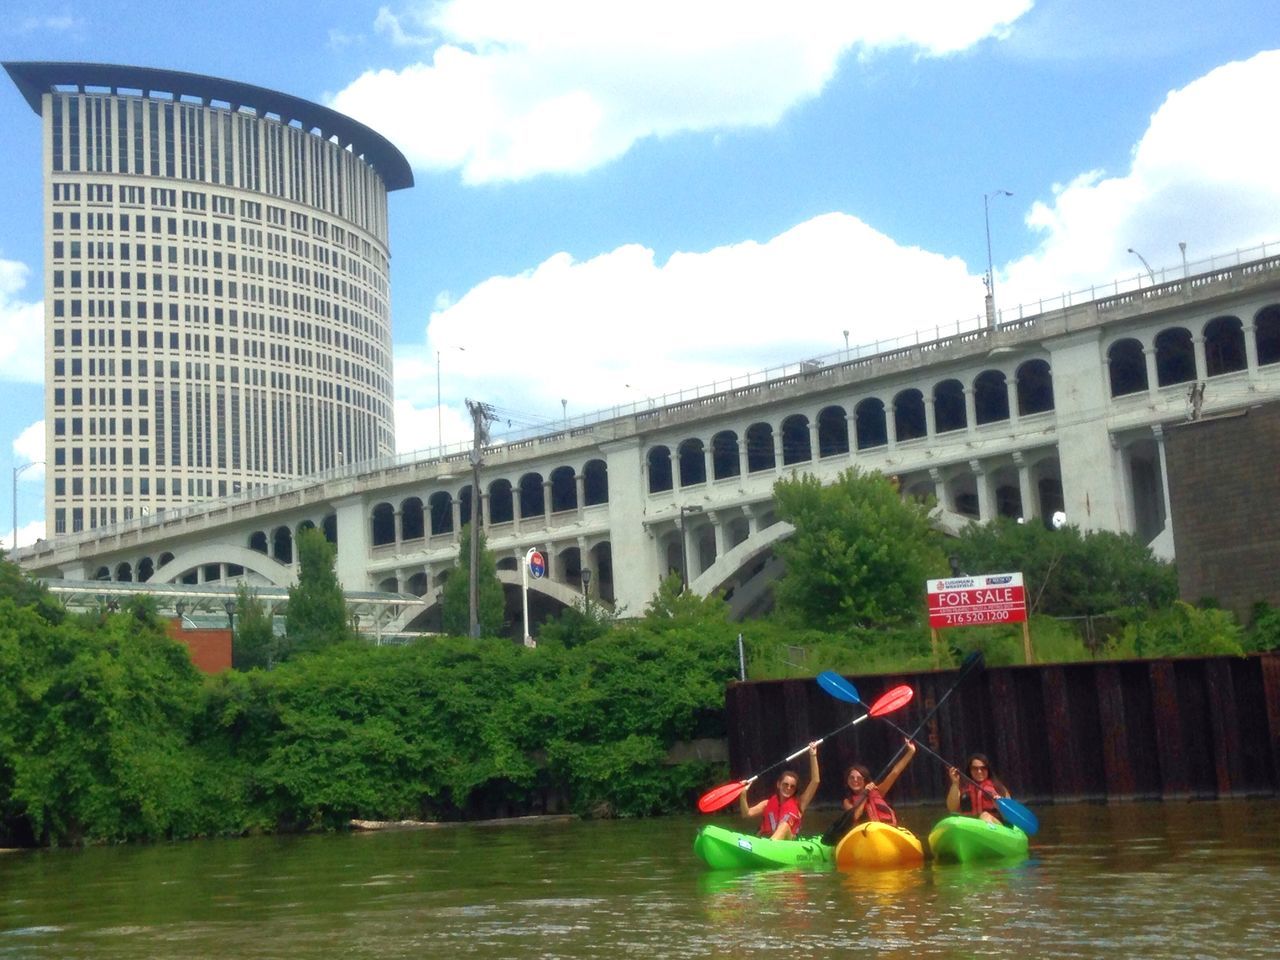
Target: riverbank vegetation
{"points": [[107, 733]]}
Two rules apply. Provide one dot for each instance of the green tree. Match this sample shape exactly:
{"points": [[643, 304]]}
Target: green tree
{"points": [[860, 554], [455, 603], [1068, 573], [316, 616], [27, 592], [95, 727], [672, 605], [254, 643]]}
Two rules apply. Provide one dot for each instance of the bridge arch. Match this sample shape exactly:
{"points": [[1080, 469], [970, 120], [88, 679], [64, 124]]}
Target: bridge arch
{"points": [[1127, 367], [1034, 380], [1175, 357], [949, 411], [181, 564], [1224, 346], [1266, 332]]}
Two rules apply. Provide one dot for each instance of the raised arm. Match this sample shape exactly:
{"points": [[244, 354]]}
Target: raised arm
{"points": [[814, 778], [892, 776], [953, 791]]}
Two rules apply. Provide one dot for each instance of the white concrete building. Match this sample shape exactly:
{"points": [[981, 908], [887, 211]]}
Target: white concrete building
{"points": [[217, 307]]}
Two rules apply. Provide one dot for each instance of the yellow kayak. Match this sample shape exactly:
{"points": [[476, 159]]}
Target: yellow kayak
{"points": [[878, 845]]}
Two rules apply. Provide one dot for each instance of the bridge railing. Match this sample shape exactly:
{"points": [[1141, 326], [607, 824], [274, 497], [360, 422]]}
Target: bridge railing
{"points": [[1140, 288]]}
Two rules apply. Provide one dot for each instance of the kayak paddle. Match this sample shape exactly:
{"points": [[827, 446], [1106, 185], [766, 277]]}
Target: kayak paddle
{"points": [[971, 662], [1012, 811], [726, 793]]}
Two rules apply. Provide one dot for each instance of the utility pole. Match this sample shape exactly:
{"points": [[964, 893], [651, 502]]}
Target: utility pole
{"points": [[481, 416]]}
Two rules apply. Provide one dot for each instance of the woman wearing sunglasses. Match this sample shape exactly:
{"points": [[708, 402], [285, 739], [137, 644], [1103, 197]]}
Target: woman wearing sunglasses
{"points": [[976, 797], [782, 812]]}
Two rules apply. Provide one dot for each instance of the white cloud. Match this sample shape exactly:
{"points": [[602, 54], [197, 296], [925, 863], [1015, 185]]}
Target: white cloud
{"points": [[583, 331], [21, 327], [29, 448], [515, 89], [27, 534], [1203, 173]]}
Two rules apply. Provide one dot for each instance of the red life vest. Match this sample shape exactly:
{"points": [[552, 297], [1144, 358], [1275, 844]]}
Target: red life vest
{"points": [[875, 808], [776, 811], [982, 798]]}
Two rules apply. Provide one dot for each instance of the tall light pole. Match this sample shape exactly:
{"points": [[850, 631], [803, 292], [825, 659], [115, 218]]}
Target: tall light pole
{"points": [[1150, 273], [1182, 245], [17, 472], [846, 344], [439, 416], [991, 274]]}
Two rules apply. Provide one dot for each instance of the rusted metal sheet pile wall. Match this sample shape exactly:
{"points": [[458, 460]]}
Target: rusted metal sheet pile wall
{"points": [[1171, 729]]}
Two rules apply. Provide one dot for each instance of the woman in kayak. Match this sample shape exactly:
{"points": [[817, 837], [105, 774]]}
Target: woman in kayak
{"points": [[976, 797], [782, 812], [864, 799]]}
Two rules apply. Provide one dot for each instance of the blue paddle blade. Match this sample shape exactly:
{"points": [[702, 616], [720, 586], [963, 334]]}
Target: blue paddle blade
{"points": [[1016, 815], [838, 687]]}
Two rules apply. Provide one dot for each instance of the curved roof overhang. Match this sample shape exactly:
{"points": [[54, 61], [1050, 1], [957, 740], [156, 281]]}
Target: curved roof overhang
{"points": [[35, 78]]}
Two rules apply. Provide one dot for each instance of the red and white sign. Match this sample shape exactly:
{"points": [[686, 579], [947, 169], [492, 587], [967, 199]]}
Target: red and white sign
{"points": [[992, 598]]}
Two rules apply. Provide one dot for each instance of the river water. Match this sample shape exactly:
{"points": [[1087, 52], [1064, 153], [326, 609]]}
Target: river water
{"points": [[1143, 880]]}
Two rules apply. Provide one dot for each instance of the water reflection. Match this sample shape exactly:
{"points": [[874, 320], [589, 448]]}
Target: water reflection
{"points": [[1176, 880]]}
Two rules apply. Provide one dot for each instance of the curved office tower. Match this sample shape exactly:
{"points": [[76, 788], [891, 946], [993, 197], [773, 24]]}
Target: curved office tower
{"points": [[217, 309]]}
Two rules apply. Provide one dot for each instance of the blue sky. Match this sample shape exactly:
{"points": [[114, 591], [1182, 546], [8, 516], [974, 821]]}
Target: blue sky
{"points": [[616, 199]]}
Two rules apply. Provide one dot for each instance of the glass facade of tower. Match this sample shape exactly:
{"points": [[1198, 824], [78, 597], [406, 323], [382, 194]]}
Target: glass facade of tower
{"points": [[216, 299]]}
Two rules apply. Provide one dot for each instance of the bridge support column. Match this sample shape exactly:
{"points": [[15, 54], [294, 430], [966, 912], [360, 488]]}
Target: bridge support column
{"points": [[891, 427], [1153, 376], [351, 524], [397, 523], [1202, 365], [584, 562], [930, 418], [940, 491], [1157, 430], [983, 483], [1011, 391], [455, 511], [546, 503], [1251, 350], [717, 524], [1026, 492], [580, 488], [484, 510], [815, 447], [777, 451], [743, 466], [970, 410]]}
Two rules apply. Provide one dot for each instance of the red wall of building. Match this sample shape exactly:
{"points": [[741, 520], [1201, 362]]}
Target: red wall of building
{"points": [[210, 649]]}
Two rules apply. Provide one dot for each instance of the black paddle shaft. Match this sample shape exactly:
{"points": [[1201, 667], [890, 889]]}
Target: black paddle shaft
{"points": [[974, 659]]}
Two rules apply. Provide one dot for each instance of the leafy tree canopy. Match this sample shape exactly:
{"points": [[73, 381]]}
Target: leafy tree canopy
{"points": [[1068, 573], [316, 616], [860, 554], [455, 603]]}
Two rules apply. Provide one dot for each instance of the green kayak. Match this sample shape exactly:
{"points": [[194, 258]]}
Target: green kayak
{"points": [[969, 839], [723, 849]]}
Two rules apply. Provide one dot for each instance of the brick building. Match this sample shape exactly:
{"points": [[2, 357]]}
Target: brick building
{"points": [[1224, 493]]}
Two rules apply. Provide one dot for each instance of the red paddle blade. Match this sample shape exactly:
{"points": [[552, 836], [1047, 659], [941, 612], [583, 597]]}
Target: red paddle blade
{"points": [[895, 699], [721, 796]]}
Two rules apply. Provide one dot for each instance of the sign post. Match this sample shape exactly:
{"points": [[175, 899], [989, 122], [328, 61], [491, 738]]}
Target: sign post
{"points": [[536, 564], [983, 600]]}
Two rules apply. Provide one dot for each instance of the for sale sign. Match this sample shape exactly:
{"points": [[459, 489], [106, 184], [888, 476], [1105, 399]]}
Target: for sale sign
{"points": [[973, 601]]}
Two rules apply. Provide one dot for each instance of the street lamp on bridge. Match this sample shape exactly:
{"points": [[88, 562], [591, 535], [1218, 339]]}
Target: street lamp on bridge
{"points": [[991, 275], [17, 472]]}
